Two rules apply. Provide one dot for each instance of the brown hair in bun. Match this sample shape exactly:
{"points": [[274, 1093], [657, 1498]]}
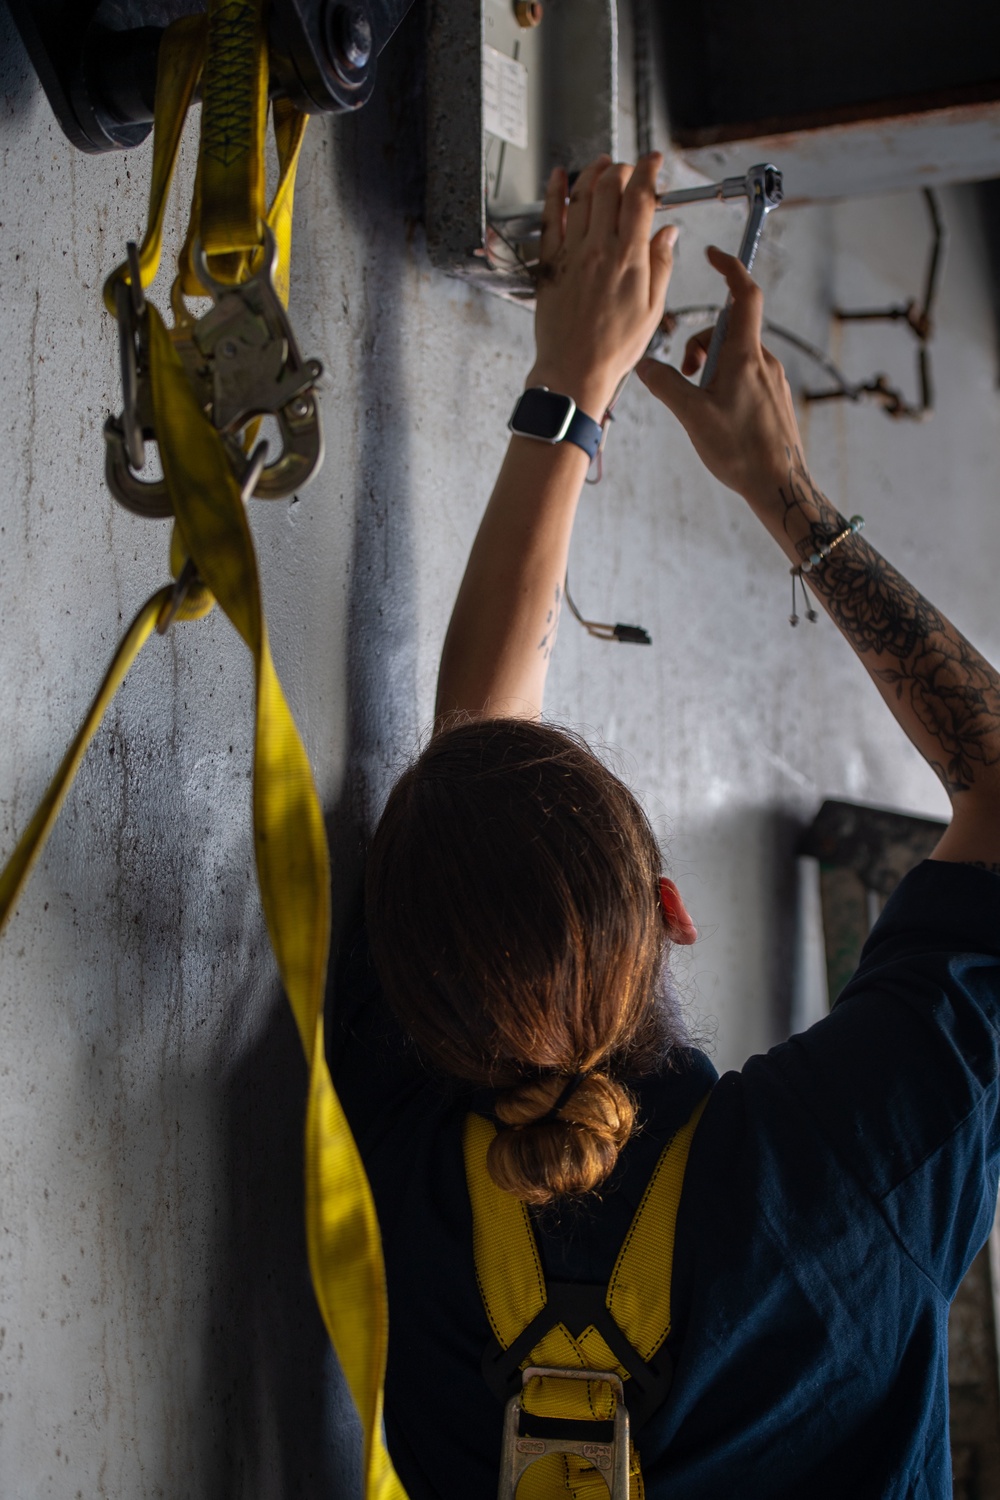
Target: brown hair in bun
{"points": [[513, 913], [539, 1158]]}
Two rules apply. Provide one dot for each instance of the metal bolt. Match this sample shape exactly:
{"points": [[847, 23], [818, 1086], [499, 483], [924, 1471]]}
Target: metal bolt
{"points": [[300, 407], [349, 39], [527, 13], [228, 349]]}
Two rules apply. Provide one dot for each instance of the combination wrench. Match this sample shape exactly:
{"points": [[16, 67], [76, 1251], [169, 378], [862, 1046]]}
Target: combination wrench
{"points": [[762, 188]]}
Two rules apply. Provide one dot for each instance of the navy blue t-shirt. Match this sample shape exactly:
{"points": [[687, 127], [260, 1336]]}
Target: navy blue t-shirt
{"points": [[837, 1189]]}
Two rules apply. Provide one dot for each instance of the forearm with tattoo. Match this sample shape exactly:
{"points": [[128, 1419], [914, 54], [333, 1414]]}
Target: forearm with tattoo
{"points": [[911, 650], [547, 643]]}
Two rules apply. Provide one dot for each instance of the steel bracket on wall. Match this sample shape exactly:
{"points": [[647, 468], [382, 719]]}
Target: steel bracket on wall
{"points": [[96, 59]]}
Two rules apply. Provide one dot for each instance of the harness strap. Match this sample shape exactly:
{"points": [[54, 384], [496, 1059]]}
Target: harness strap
{"points": [[233, 121], [580, 1306], [517, 1304]]}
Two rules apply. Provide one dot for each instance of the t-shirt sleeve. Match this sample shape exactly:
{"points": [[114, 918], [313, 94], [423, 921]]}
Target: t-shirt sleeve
{"points": [[902, 1076]]}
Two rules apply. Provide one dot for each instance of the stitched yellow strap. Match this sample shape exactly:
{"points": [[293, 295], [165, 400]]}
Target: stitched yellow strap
{"points": [[639, 1290], [512, 1286], [180, 65], [32, 840], [233, 119]]}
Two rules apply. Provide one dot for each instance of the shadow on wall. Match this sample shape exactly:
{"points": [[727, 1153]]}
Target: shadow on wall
{"points": [[747, 871], [272, 1383], [17, 79]]}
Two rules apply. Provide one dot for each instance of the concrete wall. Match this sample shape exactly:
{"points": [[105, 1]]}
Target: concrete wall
{"points": [[157, 1331]]}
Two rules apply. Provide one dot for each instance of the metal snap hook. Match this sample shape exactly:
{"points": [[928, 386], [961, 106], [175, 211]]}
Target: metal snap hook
{"points": [[147, 498], [523, 1446]]}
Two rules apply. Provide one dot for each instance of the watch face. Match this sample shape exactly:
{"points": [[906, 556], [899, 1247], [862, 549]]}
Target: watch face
{"points": [[542, 414]]}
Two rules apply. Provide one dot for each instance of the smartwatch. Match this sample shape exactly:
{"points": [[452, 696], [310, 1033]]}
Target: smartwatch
{"points": [[550, 418]]}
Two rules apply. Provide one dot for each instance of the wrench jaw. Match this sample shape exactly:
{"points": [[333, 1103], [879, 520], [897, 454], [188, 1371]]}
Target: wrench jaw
{"points": [[768, 182], [764, 189]]}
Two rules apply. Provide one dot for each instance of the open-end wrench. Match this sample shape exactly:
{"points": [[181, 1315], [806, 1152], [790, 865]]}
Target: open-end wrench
{"points": [[762, 189]]}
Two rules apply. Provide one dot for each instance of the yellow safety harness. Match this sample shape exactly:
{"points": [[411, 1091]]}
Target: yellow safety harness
{"points": [[561, 1432], [204, 442]]}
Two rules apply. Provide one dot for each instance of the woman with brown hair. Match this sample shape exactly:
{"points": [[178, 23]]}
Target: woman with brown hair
{"points": [[514, 974]]}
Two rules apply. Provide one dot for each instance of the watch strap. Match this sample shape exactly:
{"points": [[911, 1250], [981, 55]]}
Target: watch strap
{"points": [[584, 432]]}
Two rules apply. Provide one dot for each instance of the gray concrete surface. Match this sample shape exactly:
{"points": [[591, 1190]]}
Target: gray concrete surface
{"points": [[157, 1332]]}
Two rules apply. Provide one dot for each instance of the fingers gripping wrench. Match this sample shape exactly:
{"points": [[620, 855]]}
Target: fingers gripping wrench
{"points": [[762, 188]]}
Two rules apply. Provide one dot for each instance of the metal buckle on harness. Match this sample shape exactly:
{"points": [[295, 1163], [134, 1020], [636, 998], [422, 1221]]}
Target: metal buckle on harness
{"points": [[243, 362], [247, 343], [526, 1439]]}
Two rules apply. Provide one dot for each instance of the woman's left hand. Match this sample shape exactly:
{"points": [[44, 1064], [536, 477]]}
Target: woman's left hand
{"points": [[602, 281]]}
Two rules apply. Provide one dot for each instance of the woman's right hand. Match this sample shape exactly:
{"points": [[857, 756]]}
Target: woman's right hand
{"points": [[602, 280], [742, 424]]}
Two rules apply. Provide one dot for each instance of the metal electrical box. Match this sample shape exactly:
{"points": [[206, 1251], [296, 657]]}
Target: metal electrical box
{"points": [[515, 87]]}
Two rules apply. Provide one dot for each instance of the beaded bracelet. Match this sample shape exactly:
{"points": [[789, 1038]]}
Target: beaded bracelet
{"points": [[813, 561]]}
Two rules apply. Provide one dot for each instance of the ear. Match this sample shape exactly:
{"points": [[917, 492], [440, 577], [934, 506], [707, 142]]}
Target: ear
{"points": [[677, 921]]}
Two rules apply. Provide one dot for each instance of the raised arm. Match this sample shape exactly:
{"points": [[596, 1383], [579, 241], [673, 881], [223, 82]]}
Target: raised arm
{"points": [[601, 292], [945, 695]]}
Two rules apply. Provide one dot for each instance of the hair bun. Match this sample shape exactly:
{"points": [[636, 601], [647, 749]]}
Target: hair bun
{"points": [[539, 1159]]}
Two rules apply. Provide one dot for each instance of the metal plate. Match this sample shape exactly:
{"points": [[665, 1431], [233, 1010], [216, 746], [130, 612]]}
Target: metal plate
{"points": [[478, 184]]}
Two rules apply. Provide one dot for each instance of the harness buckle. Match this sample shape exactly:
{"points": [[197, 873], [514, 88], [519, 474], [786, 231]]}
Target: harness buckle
{"points": [[242, 361], [526, 1439], [256, 369]]}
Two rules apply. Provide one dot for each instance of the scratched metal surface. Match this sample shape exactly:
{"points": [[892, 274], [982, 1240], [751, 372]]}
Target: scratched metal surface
{"points": [[956, 144], [157, 1335]]}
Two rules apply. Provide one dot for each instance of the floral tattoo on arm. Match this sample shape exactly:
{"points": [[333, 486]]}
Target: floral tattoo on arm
{"points": [[952, 689]]}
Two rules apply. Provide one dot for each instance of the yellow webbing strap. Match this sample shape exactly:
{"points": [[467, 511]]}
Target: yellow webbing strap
{"points": [[512, 1286], [211, 528], [32, 840], [639, 1290], [233, 121], [178, 68], [180, 64], [293, 871]]}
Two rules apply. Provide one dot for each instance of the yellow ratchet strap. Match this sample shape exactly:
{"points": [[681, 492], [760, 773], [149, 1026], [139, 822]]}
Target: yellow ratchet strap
{"points": [[512, 1286], [180, 65], [211, 529]]}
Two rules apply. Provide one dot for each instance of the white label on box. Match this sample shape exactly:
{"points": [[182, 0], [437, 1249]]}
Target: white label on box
{"points": [[505, 97]]}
